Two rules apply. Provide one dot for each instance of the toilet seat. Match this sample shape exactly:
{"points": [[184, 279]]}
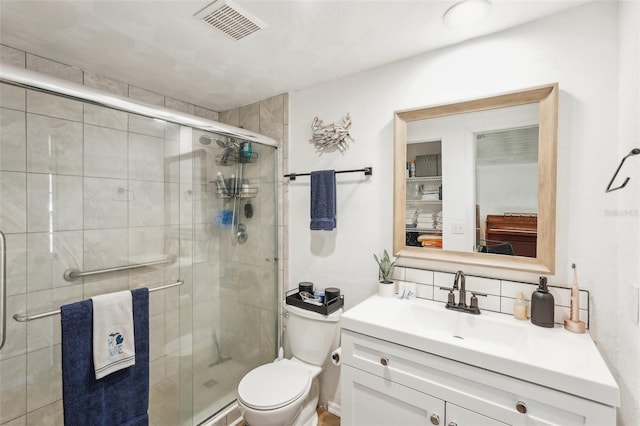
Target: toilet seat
{"points": [[257, 390]]}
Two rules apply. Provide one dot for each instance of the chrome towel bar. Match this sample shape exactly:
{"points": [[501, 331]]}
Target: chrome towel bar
{"points": [[25, 318], [73, 274]]}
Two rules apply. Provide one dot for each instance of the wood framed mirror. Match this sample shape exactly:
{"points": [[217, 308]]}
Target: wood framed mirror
{"points": [[435, 169]]}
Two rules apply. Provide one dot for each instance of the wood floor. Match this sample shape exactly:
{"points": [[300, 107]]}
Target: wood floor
{"points": [[325, 418]]}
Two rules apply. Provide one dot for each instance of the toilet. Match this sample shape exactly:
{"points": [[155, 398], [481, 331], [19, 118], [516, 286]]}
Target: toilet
{"points": [[285, 392]]}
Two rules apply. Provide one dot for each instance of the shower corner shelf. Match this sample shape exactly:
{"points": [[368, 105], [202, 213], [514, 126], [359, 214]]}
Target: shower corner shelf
{"points": [[235, 158], [242, 193]]}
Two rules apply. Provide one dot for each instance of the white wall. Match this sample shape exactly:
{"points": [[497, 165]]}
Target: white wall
{"points": [[579, 50], [624, 209]]}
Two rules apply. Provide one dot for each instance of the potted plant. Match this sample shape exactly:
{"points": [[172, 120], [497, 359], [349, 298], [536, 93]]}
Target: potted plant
{"points": [[386, 286]]}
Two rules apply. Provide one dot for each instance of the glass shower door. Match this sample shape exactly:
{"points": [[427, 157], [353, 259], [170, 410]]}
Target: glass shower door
{"points": [[234, 250], [87, 188]]}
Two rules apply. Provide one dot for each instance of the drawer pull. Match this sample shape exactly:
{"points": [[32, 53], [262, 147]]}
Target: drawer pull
{"points": [[435, 419], [384, 361], [452, 424], [521, 407]]}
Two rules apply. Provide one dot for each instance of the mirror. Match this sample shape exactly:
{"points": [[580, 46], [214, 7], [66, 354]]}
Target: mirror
{"points": [[474, 181]]}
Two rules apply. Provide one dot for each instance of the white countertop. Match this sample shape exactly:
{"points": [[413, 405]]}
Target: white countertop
{"points": [[551, 357]]}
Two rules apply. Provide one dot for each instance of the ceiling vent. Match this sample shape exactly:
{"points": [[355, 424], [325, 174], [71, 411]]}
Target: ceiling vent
{"points": [[230, 18]]}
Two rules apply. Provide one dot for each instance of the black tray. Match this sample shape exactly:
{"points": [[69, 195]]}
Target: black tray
{"points": [[293, 298]]}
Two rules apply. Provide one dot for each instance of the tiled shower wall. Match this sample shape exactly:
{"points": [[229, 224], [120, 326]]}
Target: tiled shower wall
{"points": [[270, 117], [117, 199]]}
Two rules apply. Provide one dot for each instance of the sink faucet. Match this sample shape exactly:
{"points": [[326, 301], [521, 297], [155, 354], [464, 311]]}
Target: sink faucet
{"points": [[462, 293], [459, 283]]}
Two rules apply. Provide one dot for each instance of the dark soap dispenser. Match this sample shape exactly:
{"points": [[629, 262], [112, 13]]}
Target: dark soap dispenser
{"points": [[542, 305]]}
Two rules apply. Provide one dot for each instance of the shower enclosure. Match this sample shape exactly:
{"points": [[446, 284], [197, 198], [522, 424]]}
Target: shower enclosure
{"points": [[102, 191]]}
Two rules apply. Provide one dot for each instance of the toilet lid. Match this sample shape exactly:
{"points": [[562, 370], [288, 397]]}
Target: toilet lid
{"points": [[274, 385]]}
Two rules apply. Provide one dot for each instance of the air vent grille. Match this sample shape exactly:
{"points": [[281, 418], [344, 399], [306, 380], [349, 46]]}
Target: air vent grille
{"points": [[230, 19]]}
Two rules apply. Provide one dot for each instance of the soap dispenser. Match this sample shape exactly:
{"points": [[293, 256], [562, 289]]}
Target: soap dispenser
{"points": [[542, 305]]}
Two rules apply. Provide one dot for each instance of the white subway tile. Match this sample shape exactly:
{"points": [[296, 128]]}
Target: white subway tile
{"points": [[483, 285], [443, 279], [424, 291], [512, 288], [399, 273], [488, 303], [419, 276]]}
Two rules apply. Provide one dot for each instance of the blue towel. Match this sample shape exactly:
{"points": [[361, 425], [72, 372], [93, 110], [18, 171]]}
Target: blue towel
{"points": [[121, 398], [323, 200]]}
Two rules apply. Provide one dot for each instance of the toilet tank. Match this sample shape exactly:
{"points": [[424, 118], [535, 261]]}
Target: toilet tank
{"points": [[310, 334]]}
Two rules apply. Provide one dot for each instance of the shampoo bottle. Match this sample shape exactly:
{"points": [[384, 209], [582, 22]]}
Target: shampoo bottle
{"points": [[222, 186], [542, 305]]}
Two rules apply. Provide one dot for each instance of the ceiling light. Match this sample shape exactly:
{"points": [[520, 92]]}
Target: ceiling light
{"points": [[467, 12]]}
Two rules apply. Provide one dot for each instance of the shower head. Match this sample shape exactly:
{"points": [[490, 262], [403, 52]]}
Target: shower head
{"points": [[207, 139]]}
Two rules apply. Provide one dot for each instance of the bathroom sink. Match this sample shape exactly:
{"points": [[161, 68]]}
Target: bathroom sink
{"points": [[497, 342], [478, 330], [431, 320]]}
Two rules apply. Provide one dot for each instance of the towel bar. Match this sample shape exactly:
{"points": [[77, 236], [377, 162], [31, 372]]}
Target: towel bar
{"points": [[72, 274], [25, 318], [368, 171]]}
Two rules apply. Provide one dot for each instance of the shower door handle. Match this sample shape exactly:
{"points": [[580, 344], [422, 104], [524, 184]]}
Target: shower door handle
{"points": [[3, 288]]}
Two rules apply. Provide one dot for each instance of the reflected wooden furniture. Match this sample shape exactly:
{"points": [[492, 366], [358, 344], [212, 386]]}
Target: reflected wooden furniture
{"points": [[520, 231]]}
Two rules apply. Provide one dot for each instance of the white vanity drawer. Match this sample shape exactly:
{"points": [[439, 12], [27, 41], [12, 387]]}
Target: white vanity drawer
{"points": [[491, 394]]}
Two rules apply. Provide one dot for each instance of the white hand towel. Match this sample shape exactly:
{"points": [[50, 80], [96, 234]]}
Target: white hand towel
{"points": [[113, 339]]}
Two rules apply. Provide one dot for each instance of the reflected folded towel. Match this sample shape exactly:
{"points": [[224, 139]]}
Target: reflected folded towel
{"points": [[323, 200], [113, 338]]}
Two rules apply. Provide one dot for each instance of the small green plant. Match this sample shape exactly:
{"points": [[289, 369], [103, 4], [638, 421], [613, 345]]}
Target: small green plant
{"points": [[386, 267]]}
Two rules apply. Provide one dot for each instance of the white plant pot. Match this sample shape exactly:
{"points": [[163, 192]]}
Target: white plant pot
{"points": [[386, 289]]}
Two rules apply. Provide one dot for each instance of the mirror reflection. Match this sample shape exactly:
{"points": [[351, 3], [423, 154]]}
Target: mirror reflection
{"points": [[475, 181], [486, 162]]}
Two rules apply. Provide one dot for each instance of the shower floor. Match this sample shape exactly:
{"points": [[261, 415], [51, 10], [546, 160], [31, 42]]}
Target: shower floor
{"points": [[212, 385]]}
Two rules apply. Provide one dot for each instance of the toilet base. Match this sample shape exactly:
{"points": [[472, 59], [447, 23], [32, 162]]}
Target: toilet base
{"points": [[309, 415]]}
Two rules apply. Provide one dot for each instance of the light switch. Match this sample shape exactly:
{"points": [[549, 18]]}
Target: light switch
{"points": [[458, 228]]}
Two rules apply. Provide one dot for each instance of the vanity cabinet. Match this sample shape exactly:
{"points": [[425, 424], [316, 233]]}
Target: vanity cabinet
{"points": [[387, 403], [383, 383]]}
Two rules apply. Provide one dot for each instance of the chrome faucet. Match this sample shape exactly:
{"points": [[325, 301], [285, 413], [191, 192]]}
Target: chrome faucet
{"points": [[459, 283]]}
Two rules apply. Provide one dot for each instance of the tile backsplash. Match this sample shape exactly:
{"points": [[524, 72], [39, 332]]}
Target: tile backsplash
{"points": [[501, 294]]}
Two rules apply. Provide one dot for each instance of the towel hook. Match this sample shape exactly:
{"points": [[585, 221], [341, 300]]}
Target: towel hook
{"points": [[634, 151]]}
